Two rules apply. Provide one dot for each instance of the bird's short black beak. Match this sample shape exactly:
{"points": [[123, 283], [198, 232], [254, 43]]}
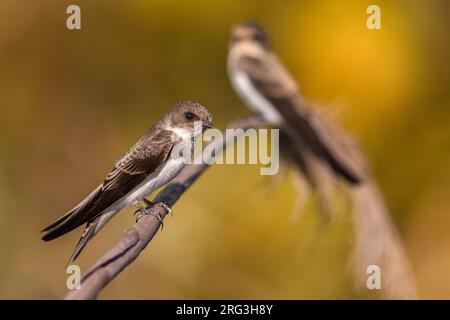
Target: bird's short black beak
{"points": [[207, 126]]}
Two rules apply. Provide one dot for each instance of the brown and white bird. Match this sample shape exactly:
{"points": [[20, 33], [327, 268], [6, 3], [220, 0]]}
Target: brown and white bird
{"points": [[260, 79], [314, 142], [152, 162]]}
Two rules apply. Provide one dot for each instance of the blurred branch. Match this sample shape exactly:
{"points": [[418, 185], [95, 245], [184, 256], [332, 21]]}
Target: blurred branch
{"points": [[128, 247], [376, 241]]}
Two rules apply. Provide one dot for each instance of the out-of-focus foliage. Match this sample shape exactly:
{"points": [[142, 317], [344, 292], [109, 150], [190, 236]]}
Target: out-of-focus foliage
{"points": [[72, 101]]}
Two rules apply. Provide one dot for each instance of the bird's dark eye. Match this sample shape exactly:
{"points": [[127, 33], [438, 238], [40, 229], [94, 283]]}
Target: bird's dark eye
{"points": [[258, 37], [189, 115]]}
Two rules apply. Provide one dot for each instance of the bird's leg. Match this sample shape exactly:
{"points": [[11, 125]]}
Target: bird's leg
{"points": [[143, 211]]}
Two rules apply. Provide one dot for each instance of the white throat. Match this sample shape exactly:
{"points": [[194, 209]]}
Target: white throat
{"points": [[182, 134], [186, 135]]}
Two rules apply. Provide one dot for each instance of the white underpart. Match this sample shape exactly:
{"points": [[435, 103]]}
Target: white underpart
{"points": [[244, 87], [163, 174]]}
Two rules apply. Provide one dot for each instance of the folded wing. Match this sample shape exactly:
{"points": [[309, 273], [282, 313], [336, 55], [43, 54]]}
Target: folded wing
{"points": [[128, 172], [270, 78]]}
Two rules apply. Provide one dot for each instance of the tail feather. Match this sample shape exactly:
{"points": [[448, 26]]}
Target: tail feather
{"points": [[74, 218], [61, 226], [343, 170], [59, 221], [87, 235], [92, 228]]}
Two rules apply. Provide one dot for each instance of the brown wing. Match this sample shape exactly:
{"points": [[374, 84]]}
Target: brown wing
{"points": [[128, 172], [270, 78]]}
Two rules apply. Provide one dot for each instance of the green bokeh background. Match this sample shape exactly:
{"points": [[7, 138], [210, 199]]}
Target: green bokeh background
{"points": [[72, 101]]}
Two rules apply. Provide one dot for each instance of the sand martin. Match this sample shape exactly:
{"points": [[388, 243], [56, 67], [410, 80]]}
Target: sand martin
{"points": [[148, 165], [265, 85]]}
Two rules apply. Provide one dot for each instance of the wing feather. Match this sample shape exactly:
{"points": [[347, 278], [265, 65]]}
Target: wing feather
{"points": [[270, 78], [127, 173]]}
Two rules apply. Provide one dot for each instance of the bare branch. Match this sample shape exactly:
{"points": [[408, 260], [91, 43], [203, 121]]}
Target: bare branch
{"points": [[377, 242], [376, 239]]}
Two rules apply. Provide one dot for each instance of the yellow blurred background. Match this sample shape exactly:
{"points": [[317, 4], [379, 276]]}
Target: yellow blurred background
{"points": [[73, 101]]}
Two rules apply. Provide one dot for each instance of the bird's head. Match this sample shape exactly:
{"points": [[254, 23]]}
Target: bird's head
{"points": [[249, 32], [189, 115]]}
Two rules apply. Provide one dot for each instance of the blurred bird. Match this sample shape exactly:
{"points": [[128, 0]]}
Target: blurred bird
{"points": [[316, 144], [152, 162], [264, 84]]}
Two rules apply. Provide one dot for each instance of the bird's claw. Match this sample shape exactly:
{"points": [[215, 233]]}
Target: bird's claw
{"points": [[162, 204], [166, 207], [148, 211], [156, 214]]}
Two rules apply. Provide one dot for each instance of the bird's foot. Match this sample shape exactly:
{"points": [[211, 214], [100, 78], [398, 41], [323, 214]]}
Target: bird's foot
{"points": [[166, 207], [145, 211], [162, 204]]}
